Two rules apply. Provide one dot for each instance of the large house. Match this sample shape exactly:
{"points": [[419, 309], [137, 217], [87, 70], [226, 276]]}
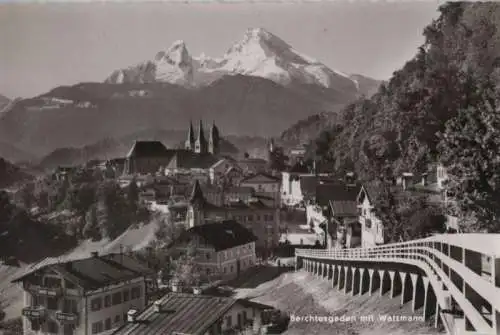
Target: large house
{"points": [[182, 313], [261, 218], [86, 296], [265, 185], [222, 248], [372, 228], [198, 154]]}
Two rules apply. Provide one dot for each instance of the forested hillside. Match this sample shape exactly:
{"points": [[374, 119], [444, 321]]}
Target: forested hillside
{"points": [[440, 106]]}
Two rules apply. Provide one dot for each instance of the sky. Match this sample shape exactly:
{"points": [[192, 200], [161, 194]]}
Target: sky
{"points": [[43, 46]]}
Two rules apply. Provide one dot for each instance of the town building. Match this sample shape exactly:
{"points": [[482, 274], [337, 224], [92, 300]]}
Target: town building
{"points": [[372, 228], [183, 313], [252, 165], [223, 249], [263, 220], [86, 296], [264, 185]]}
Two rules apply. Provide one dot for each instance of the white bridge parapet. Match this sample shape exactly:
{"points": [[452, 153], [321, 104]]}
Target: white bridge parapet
{"points": [[454, 276]]}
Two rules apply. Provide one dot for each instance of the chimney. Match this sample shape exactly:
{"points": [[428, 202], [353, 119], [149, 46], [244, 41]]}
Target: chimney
{"points": [[157, 306], [132, 315], [94, 254]]}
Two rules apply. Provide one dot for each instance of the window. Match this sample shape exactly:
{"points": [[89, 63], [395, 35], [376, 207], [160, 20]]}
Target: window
{"points": [[117, 318], [136, 292], [208, 271], [35, 325], [250, 217], [70, 285], [107, 301], [107, 324], [52, 327], [245, 316], [224, 270], [68, 329], [208, 256], [229, 321], [257, 217], [368, 223], [126, 295], [232, 268], [271, 217], [95, 304], [52, 303], [97, 327], [117, 298], [70, 306]]}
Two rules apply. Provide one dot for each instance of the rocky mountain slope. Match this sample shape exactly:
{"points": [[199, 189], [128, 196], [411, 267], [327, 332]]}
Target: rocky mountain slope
{"points": [[4, 101], [258, 54], [396, 130]]}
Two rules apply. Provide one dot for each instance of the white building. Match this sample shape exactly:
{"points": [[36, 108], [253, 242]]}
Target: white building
{"points": [[222, 249], [86, 296], [372, 229]]}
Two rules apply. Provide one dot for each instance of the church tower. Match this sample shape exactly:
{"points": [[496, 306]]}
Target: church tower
{"points": [[195, 214], [200, 145], [214, 140], [190, 142]]}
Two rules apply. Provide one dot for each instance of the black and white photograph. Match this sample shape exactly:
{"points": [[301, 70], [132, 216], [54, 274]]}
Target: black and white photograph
{"points": [[249, 167]]}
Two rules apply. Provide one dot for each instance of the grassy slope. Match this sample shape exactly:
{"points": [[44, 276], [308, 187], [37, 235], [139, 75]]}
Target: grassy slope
{"points": [[303, 294]]}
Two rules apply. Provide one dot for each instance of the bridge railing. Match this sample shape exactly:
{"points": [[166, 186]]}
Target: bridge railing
{"points": [[445, 264]]}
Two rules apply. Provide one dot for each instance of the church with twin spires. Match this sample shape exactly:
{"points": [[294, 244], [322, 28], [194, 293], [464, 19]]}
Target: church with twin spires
{"points": [[200, 144], [198, 153]]}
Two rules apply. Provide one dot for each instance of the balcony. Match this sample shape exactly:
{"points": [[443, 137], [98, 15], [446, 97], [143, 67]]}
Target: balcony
{"points": [[68, 318], [34, 312], [47, 291]]}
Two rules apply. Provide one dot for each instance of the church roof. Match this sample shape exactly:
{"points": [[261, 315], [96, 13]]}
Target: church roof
{"points": [[148, 149], [185, 159]]}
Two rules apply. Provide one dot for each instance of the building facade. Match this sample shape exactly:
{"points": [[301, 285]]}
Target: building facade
{"points": [[372, 229], [261, 219], [264, 184], [88, 296], [222, 249]]}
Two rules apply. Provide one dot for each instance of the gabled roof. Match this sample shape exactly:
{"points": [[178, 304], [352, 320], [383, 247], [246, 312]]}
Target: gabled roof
{"points": [[260, 178], [148, 149], [337, 191], [95, 272], [221, 235], [184, 313], [344, 207]]}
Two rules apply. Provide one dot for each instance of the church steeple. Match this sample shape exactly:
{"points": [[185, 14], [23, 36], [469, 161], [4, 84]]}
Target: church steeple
{"points": [[201, 142], [214, 140], [190, 141], [195, 213]]}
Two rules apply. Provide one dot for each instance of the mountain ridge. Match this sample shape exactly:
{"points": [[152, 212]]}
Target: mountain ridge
{"points": [[260, 53]]}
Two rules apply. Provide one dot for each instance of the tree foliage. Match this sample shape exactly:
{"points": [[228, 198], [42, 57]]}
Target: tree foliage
{"points": [[470, 149]]}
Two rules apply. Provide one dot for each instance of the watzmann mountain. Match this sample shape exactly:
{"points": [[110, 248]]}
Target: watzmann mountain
{"points": [[259, 88], [258, 54]]}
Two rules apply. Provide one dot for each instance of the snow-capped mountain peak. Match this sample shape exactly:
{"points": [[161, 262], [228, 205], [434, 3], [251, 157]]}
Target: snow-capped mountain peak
{"points": [[259, 53]]}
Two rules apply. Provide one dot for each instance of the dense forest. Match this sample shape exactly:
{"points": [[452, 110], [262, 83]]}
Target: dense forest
{"points": [[441, 106]]}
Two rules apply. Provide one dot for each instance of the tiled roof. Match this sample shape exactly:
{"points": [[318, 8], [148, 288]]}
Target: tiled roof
{"points": [[185, 159], [336, 191], [299, 167], [344, 207], [308, 185], [221, 235], [260, 178], [95, 272], [148, 149], [183, 313]]}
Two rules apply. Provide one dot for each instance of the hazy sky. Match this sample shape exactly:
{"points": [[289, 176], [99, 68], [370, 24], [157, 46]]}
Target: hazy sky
{"points": [[47, 45]]}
